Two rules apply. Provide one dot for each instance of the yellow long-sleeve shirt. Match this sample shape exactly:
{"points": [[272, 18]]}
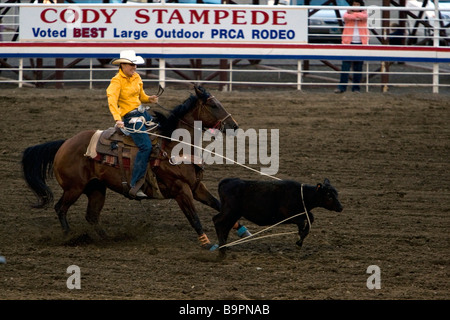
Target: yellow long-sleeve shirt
{"points": [[125, 94]]}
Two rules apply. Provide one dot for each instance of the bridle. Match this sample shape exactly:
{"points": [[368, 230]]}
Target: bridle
{"points": [[220, 123]]}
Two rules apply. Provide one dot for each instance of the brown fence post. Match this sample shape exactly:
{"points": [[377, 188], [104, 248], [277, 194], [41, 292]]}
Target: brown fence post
{"points": [[385, 33], [59, 74]]}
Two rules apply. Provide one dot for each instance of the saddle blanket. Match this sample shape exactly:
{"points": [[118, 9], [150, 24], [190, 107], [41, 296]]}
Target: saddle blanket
{"points": [[91, 151], [107, 155]]}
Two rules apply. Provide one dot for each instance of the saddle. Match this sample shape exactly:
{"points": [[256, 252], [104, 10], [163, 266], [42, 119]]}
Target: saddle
{"points": [[112, 147]]}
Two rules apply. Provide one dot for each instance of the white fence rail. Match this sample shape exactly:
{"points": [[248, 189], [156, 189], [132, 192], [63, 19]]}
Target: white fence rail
{"points": [[305, 66]]}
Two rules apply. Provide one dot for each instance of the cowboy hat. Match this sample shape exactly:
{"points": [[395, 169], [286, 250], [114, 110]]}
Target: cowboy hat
{"points": [[128, 56]]}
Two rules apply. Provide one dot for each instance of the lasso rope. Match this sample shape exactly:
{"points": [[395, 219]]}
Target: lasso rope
{"points": [[152, 126], [155, 125]]}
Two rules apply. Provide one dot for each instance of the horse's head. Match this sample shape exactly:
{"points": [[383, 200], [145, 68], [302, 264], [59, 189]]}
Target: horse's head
{"points": [[202, 107], [212, 113]]}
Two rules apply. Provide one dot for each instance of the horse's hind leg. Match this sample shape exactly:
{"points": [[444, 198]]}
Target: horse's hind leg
{"points": [[62, 206], [96, 193]]}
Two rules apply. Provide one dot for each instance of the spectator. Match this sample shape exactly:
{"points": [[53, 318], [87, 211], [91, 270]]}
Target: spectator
{"points": [[355, 32], [2, 29], [396, 36]]}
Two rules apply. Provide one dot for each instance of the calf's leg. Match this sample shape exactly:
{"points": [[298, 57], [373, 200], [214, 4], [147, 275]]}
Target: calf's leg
{"points": [[304, 227], [223, 223], [303, 231]]}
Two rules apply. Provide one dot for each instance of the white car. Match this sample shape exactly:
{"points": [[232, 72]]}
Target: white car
{"points": [[323, 24], [422, 33]]}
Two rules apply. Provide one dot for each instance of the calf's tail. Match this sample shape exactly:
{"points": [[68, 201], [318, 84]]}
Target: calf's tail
{"points": [[37, 165]]}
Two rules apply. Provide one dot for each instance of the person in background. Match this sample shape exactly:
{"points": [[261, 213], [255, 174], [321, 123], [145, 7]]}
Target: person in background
{"points": [[396, 38], [397, 35], [2, 29], [355, 32], [125, 95]]}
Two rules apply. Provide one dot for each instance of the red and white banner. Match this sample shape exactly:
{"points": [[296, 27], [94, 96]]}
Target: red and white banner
{"points": [[158, 23], [187, 31]]}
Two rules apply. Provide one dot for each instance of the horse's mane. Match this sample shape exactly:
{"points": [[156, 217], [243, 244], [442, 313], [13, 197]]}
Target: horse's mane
{"points": [[167, 124]]}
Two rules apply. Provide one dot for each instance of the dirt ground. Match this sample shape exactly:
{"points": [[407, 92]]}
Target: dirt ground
{"points": [[387, 154]]}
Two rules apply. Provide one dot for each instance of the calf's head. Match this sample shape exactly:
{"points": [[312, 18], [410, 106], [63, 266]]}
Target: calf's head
{"points": [[328, 196]]}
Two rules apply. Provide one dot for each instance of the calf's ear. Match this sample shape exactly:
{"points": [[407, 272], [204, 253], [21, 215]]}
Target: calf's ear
{"points": [[326, 181]]}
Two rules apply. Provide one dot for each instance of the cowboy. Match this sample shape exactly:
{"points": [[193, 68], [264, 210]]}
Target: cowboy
{"points": [[125, 95]]}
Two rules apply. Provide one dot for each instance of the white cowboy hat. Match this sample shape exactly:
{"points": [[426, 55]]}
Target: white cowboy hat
{"points": [[128, 56]]}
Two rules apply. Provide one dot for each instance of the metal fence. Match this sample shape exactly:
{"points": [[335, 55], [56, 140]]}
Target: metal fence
{"points": [[421, 29]]}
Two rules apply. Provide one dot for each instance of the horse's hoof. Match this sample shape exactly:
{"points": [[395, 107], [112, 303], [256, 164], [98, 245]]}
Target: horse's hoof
{"points": [[213, 247], [67, 233], [222, 255], [204, 241], [104, 236], [210, 246], [243, 232], [299, 243]]}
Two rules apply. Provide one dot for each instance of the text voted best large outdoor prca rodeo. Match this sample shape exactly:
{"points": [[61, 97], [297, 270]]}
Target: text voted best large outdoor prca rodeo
{"points": [[163, 23]]}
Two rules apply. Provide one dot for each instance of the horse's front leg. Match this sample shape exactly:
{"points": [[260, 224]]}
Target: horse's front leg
{"points": [[185, 200], [202, 194]]}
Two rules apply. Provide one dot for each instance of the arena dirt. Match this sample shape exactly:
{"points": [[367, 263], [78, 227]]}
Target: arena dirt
{"points": [[387, 154]]}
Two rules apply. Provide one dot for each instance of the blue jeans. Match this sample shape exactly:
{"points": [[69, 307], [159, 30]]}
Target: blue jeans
{"points": [[357, 75], [142, 141]]}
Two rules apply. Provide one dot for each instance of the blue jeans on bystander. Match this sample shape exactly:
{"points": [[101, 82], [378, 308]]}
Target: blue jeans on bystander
{"points": [[357, 75]]}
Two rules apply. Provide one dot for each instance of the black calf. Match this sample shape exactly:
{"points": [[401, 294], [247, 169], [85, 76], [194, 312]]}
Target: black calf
{"points": [[269, 202]]}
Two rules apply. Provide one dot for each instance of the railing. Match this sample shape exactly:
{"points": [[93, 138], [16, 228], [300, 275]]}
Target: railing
{"points": [[243, 75], [424, 65]]}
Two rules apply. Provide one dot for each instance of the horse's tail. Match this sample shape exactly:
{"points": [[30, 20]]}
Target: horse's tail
{"points": [[37, 165]]}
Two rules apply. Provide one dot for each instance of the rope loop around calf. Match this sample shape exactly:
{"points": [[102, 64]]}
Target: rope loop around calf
{"points": [[249, 238]]}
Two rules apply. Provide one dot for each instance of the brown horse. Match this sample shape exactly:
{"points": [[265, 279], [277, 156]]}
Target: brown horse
{"points": [[78, 174]]}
